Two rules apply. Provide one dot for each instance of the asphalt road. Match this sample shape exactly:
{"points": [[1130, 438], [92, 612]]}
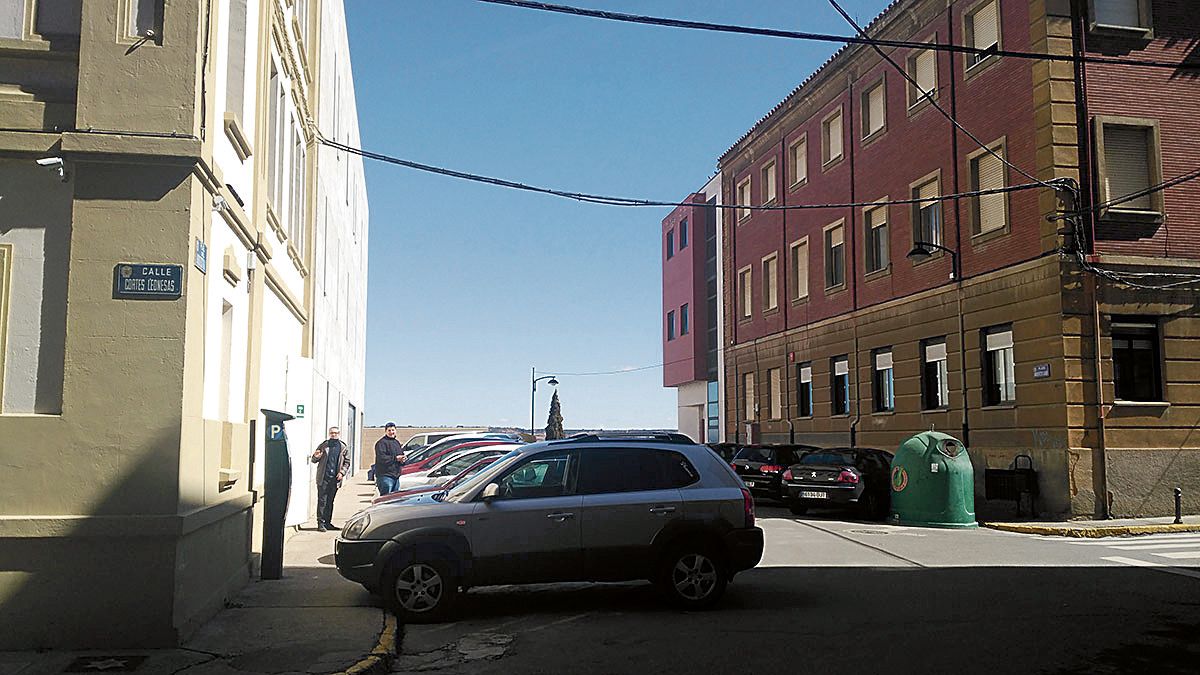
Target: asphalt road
{"points": [[834, 596]]}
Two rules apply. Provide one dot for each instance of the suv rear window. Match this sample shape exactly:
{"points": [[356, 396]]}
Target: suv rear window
{"points": [[754, 455], [607, 470]]}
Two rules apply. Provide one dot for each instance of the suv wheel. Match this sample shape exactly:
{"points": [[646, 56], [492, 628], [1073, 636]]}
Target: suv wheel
{"points": [[693, 577], [420, 591]]}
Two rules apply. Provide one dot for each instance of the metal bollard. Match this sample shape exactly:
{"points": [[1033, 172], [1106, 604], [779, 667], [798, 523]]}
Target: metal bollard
{"points": [[1178, 506]]}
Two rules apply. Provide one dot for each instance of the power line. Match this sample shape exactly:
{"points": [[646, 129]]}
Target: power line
{"points": [[842, 39], [620, 371], [637, 202]]}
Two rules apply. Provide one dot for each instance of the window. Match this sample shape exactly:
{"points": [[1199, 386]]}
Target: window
{"points": [[684, 320], [927, 216], [770, 282], [235, 71], [1129, 163], [298, 216], [545, 475], [683, 234], [804, 389], [748, 388], [999, 381], [1136, 373], [839, 384], [798, 160], [922, 67], [714, 412], [883, 383], [831, 138], [800, 269], [874, 111], [982, 28], [989, 213], [935, 387], [746, 281], [670, 244], [147, 19], [776, 378], [768, 183], [835, 258], [1121, 14], [877, 239], [743, 198], [611, 470], [670, 325], [274, 151]]}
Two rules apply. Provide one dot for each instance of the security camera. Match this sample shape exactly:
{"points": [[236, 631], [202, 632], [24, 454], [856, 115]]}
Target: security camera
{"points": [[54, 164]]}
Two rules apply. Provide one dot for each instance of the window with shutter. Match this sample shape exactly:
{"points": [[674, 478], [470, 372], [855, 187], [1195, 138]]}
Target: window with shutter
{"points": [[748, 387], [832, 129], [800, 269], [799, 161], [835, 262], [987, 173], [743, 198], [1121, 14], [877, 239], [874, 113], [922, 67], [768, 183], [776, 377], [928, 214], [746, 279], [804, 389], [770, 282], [983, 30], [1127, 166]]}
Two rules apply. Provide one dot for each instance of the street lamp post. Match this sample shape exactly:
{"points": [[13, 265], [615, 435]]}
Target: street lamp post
{"points": [[533, 380], [921, 252]]}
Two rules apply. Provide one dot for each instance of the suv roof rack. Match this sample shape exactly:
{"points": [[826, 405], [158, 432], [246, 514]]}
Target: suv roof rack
{"points": [[610, 436]]}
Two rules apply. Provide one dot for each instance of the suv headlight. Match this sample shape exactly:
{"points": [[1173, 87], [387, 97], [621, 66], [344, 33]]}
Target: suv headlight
{"points": [[357, 526]]}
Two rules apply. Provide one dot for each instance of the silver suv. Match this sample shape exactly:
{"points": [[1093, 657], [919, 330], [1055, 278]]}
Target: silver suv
{"points": [[655, 507]]}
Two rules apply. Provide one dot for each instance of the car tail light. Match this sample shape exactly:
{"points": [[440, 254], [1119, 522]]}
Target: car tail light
{"points": [[787, 475], [733, 466], [847, 476], [748, 506], [770, 468]]}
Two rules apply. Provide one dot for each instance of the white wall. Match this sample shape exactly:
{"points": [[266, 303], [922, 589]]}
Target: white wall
{"points": [[340, 260]]}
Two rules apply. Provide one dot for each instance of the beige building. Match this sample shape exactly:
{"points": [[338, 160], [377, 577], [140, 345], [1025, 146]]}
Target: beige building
{"points": [[157, 172]]}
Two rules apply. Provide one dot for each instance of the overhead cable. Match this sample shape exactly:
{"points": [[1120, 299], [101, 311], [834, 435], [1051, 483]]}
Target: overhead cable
{"points": [[843, 39], [637, 202]]}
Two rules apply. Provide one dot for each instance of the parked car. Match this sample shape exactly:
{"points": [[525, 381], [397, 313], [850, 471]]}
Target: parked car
{"points": [[587, 508], [726, 451], [450, 465], [858, 478], [423, 465], [761, 466], [427, 438], [465, 475], [429, 450]]}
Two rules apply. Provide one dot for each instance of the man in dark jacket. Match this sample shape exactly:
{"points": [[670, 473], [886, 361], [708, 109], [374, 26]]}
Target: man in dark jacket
{"points": [[333, 462], [389, 457]]}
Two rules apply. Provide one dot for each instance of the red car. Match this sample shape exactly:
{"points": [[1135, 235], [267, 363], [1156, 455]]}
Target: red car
{"points": [[432, 460], [467, 474]]}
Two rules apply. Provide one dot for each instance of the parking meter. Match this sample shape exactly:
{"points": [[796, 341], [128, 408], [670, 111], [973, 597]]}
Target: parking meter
{"points": [[277, 491]]}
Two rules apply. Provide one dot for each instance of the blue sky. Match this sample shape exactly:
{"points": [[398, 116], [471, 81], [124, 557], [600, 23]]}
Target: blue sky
{"points": [[472, 285]]}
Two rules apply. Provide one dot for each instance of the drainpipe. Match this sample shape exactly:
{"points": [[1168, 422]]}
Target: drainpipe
{"points": [[958, 251], [851, 238]]}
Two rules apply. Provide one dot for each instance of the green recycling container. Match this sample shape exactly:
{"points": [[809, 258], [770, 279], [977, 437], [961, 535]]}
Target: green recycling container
{"points": [[933, 482]]}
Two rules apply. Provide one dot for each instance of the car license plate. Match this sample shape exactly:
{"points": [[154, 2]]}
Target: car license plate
{"points": [[749, 483], [813, 494]]}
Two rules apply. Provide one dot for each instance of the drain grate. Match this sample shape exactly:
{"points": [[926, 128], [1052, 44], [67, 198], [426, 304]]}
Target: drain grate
{"points": [[868, 532]]}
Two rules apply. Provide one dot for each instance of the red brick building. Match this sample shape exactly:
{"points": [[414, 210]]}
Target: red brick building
{"points": [[1049, 342]]}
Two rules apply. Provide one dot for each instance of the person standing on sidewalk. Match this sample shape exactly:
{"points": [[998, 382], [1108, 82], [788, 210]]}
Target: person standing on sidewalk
{"points": [[333, 461], [389, 456]]}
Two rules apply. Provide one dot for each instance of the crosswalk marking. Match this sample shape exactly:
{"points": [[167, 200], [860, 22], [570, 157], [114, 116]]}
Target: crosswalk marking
{"points": [[1160, 567], [1180, 555], [1152, 545], [1173, 538]]}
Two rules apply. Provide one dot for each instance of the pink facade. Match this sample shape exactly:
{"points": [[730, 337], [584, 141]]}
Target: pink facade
{"points": [[682, 241]]}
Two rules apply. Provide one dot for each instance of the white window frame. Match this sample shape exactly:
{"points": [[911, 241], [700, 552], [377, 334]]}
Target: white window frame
{"points": [[883, 392], [933, 351], [999, 340]]}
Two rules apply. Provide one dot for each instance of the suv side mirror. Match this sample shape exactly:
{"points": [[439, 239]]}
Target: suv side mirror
{"points": [[490, 492]]}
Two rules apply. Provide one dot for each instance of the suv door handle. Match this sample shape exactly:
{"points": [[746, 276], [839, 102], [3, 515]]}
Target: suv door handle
{"points": [[662, 509], [560, 517]]}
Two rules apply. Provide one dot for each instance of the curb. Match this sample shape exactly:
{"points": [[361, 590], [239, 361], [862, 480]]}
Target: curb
{"points": [[380, 659], [1093, 532]]}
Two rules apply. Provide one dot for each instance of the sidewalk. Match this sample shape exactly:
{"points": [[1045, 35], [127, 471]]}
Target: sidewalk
{"points": [[1120, 527], [310, 621]]}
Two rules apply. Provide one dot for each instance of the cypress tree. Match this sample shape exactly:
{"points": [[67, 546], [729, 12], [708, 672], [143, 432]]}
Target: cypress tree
{"points": [[554, 423]]}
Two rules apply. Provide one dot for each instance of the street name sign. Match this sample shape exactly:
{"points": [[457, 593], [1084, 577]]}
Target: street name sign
{"points": [[147, 281]]}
